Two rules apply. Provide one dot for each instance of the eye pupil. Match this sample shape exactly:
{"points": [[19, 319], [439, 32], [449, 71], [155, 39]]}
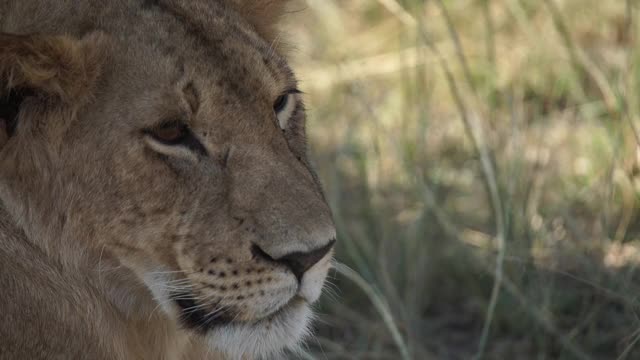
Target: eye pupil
{"points": [[280, 103]]}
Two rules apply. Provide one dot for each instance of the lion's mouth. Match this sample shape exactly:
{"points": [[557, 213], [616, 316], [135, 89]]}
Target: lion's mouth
{"points": [[195, 316], [199, 318]]}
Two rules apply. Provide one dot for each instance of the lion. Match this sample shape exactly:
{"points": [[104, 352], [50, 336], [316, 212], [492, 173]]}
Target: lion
{"points": [[156, 197]]}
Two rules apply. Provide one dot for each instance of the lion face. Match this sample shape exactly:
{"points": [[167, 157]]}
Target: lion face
{"points": [[186, 163]]}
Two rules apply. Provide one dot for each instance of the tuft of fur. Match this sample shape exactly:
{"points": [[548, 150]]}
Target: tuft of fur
{"points": [[241, 341], [52, 66]]}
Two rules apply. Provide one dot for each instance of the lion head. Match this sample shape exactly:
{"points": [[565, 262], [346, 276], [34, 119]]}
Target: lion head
{"points": [[167, 137]]}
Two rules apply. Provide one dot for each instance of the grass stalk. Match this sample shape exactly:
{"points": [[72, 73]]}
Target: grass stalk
{"points": [[380, 305], [490, 178]]}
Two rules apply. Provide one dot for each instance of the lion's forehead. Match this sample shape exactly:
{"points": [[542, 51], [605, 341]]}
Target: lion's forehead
{"points": [[206, 35], [215, 45]]}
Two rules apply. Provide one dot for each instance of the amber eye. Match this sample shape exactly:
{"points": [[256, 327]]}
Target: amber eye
{"points": [[170, 133]]}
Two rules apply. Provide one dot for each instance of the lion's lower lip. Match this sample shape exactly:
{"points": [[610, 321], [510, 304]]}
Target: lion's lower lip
{"points": [[193, 316], [296, 300]]}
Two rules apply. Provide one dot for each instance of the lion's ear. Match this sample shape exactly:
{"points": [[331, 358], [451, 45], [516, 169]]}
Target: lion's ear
{"points": [[57, 70], [263, 14]]}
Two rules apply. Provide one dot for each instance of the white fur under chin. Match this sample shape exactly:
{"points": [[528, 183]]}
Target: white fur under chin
{"points": [[255, 341]]}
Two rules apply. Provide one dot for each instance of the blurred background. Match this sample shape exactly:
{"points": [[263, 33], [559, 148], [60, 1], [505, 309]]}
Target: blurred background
{"points": [[482, 161]]}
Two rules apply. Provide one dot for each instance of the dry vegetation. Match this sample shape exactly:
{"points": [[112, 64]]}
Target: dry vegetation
{"points": [[482, 160]]}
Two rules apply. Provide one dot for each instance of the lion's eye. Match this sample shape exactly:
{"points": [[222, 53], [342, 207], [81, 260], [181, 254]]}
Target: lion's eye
{"points": [[281, 103], [284, 106], [174, 138], [170, 133]]}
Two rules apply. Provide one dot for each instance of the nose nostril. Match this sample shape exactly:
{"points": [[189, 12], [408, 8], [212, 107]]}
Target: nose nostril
{"points": [[258, 253], [297, 262]]}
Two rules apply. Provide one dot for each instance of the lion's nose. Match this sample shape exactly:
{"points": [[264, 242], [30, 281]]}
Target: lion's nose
{"points": [[297, 262]]}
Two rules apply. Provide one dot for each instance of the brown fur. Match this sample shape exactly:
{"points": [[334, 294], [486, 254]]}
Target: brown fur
{"points": [[263, 14], [104, 230], [57, 66]]}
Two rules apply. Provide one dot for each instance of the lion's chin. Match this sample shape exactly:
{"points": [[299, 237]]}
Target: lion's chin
{"points": [[282, 330]]}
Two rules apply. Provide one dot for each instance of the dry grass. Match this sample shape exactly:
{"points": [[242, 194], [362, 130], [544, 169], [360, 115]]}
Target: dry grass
{"points": [[482, 161]]}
